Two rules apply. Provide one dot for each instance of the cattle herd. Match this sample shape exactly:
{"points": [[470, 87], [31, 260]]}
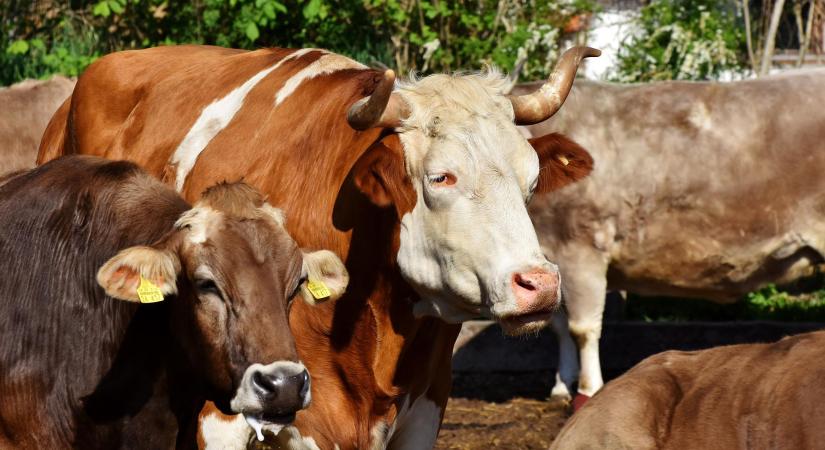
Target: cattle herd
{"points": [[218, 247]]}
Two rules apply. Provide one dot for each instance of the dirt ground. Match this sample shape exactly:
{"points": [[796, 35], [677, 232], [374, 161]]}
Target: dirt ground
{"points": [[502, 411]]}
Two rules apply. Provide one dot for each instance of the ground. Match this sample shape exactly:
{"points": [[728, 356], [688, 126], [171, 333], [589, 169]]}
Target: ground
{"points": [[501, 410]]}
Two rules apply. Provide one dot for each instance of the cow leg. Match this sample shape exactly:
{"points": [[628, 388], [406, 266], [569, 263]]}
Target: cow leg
{"points": [[568, 371], [584, 283]]}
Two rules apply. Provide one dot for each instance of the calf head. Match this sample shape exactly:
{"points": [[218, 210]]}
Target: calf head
{"points": [[460, 174], [233, 270]]}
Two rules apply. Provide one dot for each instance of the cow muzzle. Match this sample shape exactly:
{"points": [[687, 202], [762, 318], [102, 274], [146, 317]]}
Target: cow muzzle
{"points": [[536, 295], [269, 396]]}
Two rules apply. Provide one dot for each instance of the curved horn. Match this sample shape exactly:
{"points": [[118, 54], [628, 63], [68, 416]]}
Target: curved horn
{"points": [[382, 109], [540, 105]]}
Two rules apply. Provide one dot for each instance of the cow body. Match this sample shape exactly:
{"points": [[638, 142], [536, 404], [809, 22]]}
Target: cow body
{"points": [[379, 198], [706, 190], [734, 397], [81, 367], [27, 108]]}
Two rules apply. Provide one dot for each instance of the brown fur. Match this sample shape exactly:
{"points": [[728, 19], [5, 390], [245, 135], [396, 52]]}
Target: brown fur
{"points": [[365, 351], [80, 369], [735, 397]]}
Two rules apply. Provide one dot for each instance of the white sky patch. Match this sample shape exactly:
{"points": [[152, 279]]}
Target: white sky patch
{"points": [[609, 28], [327, 63], [213, 119]]}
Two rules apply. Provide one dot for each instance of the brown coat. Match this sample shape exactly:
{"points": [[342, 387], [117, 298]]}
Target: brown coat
{"points": [[26, 109], [752, 396]]}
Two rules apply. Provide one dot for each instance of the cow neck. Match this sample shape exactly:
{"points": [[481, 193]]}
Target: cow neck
{"points": [[371, 330]]}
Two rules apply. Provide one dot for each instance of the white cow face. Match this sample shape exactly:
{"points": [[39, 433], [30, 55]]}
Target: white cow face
{"points": [[467, 245]]}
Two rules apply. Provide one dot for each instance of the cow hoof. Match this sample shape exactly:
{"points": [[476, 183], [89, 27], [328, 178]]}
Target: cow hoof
{"points": [[562, 401], [579, 401]]}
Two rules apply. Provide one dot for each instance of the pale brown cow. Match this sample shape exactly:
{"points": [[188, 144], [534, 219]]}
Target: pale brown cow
{"points": [[705, 190], [750, 396], [421, 188], [192, 304], [25, 110]]}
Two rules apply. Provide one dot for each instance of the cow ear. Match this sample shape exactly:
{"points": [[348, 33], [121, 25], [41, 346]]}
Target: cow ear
{"points": [[561, 162], [147, 268], [380, 175], [327, 278]]}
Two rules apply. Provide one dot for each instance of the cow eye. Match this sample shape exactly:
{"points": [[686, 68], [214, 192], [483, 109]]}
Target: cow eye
{"points": [[207, 286], [442, 179]]}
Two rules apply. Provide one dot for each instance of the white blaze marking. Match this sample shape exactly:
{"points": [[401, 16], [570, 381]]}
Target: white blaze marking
{"points": [[328, 63], [219, 434], [213, 119]]}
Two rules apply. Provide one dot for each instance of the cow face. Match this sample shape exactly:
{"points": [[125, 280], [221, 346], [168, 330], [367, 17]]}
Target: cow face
{"points": [[460, 174], [235, 270]]}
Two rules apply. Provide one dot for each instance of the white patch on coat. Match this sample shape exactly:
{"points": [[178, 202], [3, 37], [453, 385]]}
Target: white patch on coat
{"points": [[213, 119], [327, 63], [416, 425], [220, 434], [290, 439], [200, 220]]}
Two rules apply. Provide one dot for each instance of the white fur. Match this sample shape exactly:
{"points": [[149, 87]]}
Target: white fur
{"points": [[201, 220], [220, 434], [213, 119], [290, 439], [327, 63], [461, 245]]}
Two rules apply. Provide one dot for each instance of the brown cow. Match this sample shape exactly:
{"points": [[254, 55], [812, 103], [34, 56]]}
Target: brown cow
{"points": [[705, 190], [421, 188], [735, 397], [87, 366], [27, 108]]}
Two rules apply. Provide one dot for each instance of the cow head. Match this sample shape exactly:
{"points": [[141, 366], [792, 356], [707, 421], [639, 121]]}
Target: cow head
{"points": [[235, 270], [460, 174]]}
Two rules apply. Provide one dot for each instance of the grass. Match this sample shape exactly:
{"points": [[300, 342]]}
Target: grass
{"points": [[804, 301]]}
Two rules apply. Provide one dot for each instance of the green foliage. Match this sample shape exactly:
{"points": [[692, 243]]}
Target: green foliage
{"points": [[682, 40], [51, 36], [768, 303], [771, 303]]}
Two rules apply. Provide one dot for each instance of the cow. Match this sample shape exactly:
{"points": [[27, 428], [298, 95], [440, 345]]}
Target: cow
{"points": [[733, 397], [701, 189], [419, 185], [122, 308], [27, 108]]}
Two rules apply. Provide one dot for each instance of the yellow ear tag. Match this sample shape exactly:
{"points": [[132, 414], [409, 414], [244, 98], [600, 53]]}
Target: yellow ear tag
{"points": [[318, 289], [148, 292], [564, 160]]}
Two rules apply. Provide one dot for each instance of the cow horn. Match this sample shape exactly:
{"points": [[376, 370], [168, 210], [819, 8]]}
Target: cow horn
{"points": [[382, 109], [540, 105]]}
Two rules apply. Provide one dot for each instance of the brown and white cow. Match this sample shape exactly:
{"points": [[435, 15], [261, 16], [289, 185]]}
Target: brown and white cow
{"points": [[26, 109], [735, 397], [421, 188], [705, 190], [192, 304]]}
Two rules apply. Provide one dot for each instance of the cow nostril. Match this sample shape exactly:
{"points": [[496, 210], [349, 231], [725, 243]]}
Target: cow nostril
{"points": [[304, 384], [264, 383], [523, 282]]}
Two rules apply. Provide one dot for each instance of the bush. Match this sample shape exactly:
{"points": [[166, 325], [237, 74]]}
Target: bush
{"points": [[50, 36], [682, 40]]}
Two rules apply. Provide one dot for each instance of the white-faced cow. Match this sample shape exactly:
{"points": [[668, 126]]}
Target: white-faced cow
{"points": [[703, 190], [27, 108], [122, 309], [735, 397], [420, 186]]}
